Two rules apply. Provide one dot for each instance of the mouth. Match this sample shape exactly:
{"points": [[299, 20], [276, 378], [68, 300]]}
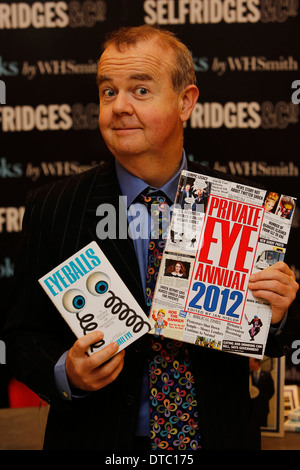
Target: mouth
{"points": [[126, 130], [120, 126]]}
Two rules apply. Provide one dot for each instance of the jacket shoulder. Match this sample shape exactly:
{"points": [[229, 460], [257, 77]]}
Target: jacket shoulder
{"points": [[68, 185], [65, 191]]}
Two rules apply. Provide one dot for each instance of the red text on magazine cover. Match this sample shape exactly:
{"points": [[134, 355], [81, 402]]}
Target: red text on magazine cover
{"points": [[224, 259]]}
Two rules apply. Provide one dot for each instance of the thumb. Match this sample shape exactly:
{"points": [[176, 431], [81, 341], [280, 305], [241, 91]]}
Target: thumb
{"points": [[81, 346]]}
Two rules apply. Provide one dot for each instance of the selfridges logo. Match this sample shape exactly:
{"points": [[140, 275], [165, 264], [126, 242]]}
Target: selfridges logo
{"points": [[11, 219], [244, 115], [50, 117], [253, 64], [169, 12], [61, 117], [258, 168], [73, 14]]}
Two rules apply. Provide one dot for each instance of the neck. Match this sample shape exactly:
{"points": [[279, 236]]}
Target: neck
{"points": [[154, 172]]}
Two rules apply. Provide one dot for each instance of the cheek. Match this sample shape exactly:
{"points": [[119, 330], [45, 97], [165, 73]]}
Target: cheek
{"points": [[104, 117], [163, 123]]}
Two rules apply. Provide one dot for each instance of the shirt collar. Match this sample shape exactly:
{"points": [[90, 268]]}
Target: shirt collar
{"points": [[131, 186]]}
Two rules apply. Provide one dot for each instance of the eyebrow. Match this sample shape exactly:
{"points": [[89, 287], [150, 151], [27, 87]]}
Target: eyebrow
{"points": [[136, 76], [102, 78], [141, 76]]}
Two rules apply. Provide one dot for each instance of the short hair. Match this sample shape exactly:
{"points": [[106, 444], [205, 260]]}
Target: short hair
{"points": [[182, 71], [272, 196]]}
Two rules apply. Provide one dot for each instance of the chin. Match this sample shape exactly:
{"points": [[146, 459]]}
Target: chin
{"points": [[126, 153]]}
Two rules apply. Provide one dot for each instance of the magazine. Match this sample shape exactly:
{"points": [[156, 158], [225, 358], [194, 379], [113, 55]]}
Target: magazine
{"points": [[293, 422], [90, 296], [220, 233]]}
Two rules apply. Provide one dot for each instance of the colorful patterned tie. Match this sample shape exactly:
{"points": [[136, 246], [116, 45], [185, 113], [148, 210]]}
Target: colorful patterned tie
{"points": [[173, 415]]}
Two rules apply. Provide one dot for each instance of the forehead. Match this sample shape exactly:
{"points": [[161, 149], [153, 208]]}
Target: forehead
{"points": [[141, 58]]}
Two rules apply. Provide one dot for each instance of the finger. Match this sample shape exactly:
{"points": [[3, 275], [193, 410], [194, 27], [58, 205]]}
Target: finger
{"points": [[279, 287], [279, 304], [274, 276], [82, 345], [100, 357], [275, 280], [275, 271], [274, 298], [84, 371], [108, 372], [283, 267], [108, 368], [279, 295]]}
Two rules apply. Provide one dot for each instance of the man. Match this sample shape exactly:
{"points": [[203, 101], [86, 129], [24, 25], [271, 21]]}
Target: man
{"points": [[255, 329], [147, 93], [263, 381], [185, 194]]}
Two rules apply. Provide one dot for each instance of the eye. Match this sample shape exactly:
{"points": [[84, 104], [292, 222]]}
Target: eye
{"points": [[109, 93], [98, 283], [142, 91], [73, 300]]}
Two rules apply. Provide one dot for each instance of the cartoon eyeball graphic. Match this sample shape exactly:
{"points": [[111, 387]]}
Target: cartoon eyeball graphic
{"points": [[73, 300], [98, 283]]}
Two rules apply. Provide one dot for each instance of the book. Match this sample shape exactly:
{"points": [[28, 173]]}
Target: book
{"points": [[90, 295], [220, 233], [292, 426], [294, 415]]}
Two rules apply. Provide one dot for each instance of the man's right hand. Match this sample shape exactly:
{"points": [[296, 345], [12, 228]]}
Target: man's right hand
{"points": [[93, 372]]}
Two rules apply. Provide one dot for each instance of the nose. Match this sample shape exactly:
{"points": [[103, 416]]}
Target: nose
{"points": [[122, 103]]}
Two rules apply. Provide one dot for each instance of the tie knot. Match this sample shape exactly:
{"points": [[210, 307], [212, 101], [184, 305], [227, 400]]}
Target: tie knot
{"points": [[158, 207], [154, 199]]}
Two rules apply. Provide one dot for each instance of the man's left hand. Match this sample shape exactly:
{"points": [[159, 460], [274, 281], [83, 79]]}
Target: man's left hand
{"points": [[276, 284]]}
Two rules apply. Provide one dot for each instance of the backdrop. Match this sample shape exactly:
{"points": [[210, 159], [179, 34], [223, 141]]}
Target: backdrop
{"points": [[246, 122]]}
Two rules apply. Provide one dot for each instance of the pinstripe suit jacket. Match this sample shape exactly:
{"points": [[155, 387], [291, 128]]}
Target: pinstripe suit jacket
{"points": [[59, 220]]}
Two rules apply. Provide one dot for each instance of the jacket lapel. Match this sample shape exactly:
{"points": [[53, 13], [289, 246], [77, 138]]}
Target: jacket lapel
{"points": [[106, 216]]}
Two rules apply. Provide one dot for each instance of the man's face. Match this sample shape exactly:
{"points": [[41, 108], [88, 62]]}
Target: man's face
{"points": [[160, 316], [139, 110]]}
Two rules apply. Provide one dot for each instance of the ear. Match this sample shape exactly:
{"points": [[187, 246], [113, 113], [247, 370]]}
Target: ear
{"points": [[189, 97]]}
